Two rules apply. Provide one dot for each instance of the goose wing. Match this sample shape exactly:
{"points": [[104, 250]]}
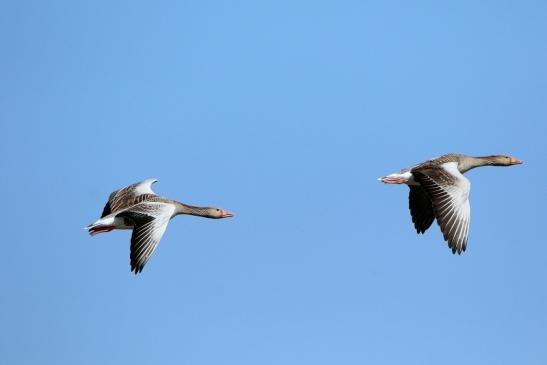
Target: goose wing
{"points": [[421, 208], [150, 221], [448, 190], [126, 197]]}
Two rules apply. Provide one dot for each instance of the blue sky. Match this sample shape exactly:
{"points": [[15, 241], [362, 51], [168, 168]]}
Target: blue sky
{"points": [[286, 113]]}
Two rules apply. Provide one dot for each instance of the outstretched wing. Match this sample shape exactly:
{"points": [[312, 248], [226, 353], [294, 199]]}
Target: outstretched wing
{"points": [[126, 197], [448, 190], [421, 208], [150, 221]]}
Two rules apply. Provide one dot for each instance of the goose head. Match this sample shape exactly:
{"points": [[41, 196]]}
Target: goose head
{"points": [[217, 213], [503, 160]]}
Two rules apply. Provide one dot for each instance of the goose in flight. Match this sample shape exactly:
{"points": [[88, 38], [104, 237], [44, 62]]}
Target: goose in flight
{"points": [[438, 190], [138, 208]]}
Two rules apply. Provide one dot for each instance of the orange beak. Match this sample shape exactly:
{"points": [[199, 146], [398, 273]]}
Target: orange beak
{"points": [[226, 214], [514, 161]]}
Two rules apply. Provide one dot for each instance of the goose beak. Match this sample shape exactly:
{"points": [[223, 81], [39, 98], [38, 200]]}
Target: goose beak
{"points": [[514, 161], [226, 214]]}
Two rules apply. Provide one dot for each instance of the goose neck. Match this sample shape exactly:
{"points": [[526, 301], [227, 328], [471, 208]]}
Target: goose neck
{"points": [[182, 208], [469, 162]]}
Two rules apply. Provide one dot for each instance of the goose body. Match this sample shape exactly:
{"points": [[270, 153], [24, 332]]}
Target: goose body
{"points": [[439, 190], [138, 208]]}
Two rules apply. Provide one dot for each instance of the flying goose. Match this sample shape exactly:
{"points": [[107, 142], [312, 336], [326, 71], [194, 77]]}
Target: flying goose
{"points": [[439, 190], [138, 208]]}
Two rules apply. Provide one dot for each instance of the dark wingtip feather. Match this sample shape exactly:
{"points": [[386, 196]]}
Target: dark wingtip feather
{"points": [[136, 269], [107, 210], [421, 209], [456, 249]]}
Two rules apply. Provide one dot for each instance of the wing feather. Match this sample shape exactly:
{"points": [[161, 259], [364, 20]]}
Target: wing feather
{"points": [[130, 195], [421, 208], [151, 219], [448, 190]]}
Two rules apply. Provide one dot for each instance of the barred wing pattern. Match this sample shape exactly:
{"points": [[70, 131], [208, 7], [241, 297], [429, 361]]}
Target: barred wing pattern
{"points": [[125, 197], [151, 219], [448, 190]]}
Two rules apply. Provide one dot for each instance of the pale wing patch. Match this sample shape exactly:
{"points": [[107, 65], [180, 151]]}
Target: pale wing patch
{"points": [[147, 235], [453, 214], [145, 187], [144, 241], [449, 193], [126, 197], [150, 222]]}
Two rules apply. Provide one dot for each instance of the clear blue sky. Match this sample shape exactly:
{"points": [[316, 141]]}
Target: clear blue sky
{"points": [[286, 113]]}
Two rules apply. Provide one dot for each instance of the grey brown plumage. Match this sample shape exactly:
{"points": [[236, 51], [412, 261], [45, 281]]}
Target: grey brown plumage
{"points": [[128, 196], [438, 190], [454, 225], [138, 208]]}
